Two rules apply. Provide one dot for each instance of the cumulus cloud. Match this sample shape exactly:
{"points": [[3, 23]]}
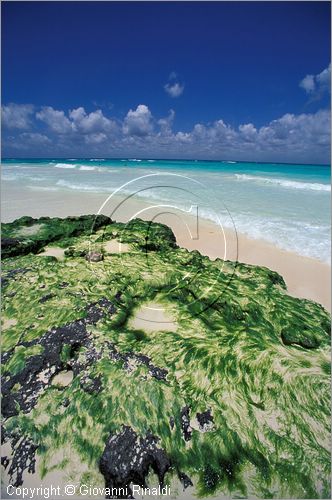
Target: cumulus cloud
{"points": [[16, 115], [90, 122], [290, 138], [173, 87], [167, 123], [95, 138], [317, 84], [95, 125], [248, 131], [35, 138], [56, 120], [138, 122]]}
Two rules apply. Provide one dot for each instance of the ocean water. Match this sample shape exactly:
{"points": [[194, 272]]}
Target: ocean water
{"points": [[285, 204]]}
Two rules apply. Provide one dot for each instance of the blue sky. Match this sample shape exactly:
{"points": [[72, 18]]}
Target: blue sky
{"points": [[225, 80]]}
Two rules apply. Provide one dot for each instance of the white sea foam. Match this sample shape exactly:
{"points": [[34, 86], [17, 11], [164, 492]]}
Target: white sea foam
{"points": [[97, 159], [84, 187], [306, 239], [85, 167], [313, 186], [64, 165], [42, 188]]}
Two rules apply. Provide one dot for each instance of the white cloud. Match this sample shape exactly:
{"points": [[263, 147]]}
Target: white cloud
{"points": [[16, 115], [308, 83], [95, 138], [291, 138], [174, 89], [35, 138], [324, 79], [167, 123], [317, 84], [92, 122], [138, 122], [56, 120], [248, 131]]}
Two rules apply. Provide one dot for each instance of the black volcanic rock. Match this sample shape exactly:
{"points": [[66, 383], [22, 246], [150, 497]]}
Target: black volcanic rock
{"points": [[127, 458], [185, 423], [205, 420]]}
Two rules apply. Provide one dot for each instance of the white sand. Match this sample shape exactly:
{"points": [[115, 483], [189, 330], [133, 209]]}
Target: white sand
{"points": [[153, 317], [57, 252], [63, 378], [115, 246]]}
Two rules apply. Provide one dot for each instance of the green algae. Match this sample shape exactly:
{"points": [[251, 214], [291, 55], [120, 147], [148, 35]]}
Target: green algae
{"points": [[254, 356]]}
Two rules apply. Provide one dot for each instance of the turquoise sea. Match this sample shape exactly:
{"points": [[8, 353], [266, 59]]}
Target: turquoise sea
{"points": [[285, 204]]}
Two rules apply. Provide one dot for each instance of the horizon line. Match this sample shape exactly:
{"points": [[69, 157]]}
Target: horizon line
{"points": [[160, 159]]}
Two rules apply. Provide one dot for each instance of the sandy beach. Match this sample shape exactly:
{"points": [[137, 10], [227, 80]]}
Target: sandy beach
{"points": [[305, 277]]}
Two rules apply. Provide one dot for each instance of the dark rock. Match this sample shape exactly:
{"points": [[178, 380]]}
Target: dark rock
{"points": [[46, 297], [11, 275], [40, 368], [158, 373], [94, 257], [185, 423], [145, 360], [8, 243], [301, 337], [91, 385], [127, 459], [98, 310], [171, 422], [24, 451], [94, 314], [90, 358], [205, 420], [185, 480], [6, 355], [154, 371]]}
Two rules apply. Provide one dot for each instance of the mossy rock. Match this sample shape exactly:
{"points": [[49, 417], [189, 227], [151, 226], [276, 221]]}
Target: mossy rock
{"points": [[226, 343]]}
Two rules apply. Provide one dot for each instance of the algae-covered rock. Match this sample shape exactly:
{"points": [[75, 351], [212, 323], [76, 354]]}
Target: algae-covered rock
{"points": [[156, 365], [27, 234]]}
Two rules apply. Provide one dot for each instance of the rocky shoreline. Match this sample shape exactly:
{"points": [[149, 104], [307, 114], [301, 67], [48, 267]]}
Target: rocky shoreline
{"points": [[229, 396]]}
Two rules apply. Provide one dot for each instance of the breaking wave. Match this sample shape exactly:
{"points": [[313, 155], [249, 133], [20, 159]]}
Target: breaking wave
{"points": [[313, 186], [64, 165]]}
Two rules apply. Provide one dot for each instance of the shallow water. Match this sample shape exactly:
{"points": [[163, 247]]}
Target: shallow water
{"points": [[285, 204]]}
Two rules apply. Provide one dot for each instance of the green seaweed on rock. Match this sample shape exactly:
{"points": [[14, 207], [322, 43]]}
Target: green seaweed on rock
{"points": [[228, 381]]}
